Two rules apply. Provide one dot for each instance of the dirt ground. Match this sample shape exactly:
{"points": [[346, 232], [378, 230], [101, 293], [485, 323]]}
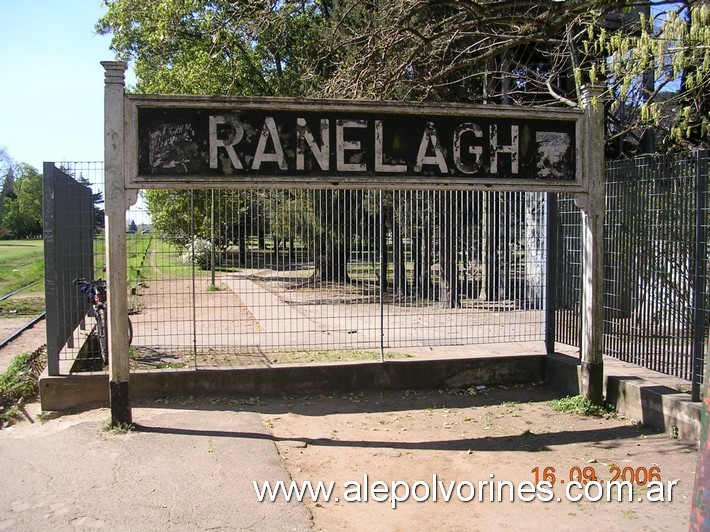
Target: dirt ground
{"points": [[444, 437], [498, 434], [29, 341]]}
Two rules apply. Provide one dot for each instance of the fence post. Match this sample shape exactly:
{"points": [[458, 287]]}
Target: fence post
{"points": [[700, 512], [383, 277], [700, 274], [551, 272], [593, 211], [116, 271], [50, 272]]}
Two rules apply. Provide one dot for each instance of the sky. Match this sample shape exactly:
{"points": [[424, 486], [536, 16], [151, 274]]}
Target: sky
{"points": [[51, 80]]}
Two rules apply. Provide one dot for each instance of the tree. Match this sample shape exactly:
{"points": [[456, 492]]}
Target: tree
{"points": [[264, 48], [23, 214], [98, 200], [658, 73], [217, 47], [326, 222], [526, 53], [8, 184]]}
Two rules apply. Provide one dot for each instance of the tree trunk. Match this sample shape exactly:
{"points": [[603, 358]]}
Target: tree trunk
{"points": [[535, 248], [331, 263], [384, 258], [242, 245], [490, 260]]}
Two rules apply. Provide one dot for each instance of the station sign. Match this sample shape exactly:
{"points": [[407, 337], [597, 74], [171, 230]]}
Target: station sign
{"points": [[201, 142]]}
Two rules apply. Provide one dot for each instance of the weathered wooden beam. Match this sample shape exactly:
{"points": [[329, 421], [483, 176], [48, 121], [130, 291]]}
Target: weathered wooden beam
{"points": [[115, 212], [593, 209]]}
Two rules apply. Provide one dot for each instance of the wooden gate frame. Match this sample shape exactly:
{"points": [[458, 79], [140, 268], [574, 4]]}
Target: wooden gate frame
{"points": [[122, 184]]}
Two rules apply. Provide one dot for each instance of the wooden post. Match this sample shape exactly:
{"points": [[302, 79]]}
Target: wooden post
{"points": [[593, 209], [116, 271]]}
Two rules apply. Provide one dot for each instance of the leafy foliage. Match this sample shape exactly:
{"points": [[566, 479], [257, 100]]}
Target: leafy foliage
{"points": [[198, 252], [19, 383], [658, 74], [215, 47], [581, 406], [22, 211]]}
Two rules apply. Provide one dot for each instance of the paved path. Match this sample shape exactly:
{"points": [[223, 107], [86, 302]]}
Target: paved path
{"points": [[182, 470], [284, 324]]}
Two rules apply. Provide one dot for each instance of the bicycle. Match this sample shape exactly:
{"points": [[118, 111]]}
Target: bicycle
{"points": [[95, 292]]}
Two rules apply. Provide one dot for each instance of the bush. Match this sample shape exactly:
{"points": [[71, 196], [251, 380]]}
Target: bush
{"points": [[198, 252], [19, 383], [581, 406]]}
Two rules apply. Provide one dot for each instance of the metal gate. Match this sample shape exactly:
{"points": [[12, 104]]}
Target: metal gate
{"points": [[229, 276], [222, 277], [68, 221]]}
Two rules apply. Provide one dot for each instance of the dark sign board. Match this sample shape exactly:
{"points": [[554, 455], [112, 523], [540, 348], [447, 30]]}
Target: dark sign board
{"points": [[314, 143]]}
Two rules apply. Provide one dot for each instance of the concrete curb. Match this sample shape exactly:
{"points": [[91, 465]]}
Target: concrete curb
{"points": [[634, 396], [77, 390]]}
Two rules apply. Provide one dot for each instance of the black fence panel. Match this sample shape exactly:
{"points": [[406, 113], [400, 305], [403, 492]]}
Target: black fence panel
{"points": [[68, 254], [568, 233], [656, 252]]}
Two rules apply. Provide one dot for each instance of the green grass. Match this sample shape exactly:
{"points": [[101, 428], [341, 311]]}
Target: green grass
{"points": [[168, 262], [21, 263], [99, 257], [117, 428], [138, 248], [580, 405], [21, 306], [19, 384]]}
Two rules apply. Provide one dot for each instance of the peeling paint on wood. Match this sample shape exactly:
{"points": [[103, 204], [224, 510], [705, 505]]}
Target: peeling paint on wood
{"points": [[430, 146]]}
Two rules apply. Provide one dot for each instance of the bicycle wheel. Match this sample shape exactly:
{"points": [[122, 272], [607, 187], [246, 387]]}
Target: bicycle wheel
{"points": [[130, 332], [101, 332]]}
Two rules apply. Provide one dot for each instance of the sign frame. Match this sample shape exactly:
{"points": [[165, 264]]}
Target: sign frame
{"points": [[122, 183], [137, 104]]}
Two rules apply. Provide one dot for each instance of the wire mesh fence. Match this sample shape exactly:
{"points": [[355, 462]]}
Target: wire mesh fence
{"points": [[244, 277], [253, 272], [222, 277], [656, 253]]}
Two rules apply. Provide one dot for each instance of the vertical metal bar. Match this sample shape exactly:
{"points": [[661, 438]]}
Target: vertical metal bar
{"points": [[550, 272], [649, 324], [50, 273], [383, 278], [700, 273], [638, 256], [192, 263], [681, 365], [212, 242], [612, 244]]}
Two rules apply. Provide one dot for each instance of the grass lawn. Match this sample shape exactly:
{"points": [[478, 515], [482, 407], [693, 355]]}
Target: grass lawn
{"points": [[21, 263]]}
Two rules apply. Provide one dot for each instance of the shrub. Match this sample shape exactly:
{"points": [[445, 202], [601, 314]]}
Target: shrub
{"points": [[582, 406], [198, 252]]}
